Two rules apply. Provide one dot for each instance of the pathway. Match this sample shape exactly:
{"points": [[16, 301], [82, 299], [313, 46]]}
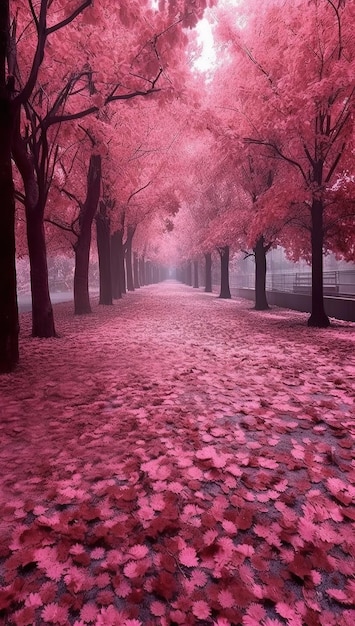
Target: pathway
{"points": [[178, 459]]}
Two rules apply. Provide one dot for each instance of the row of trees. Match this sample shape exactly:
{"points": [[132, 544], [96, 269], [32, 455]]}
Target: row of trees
{"points": [[62, 63], [278, 144]]}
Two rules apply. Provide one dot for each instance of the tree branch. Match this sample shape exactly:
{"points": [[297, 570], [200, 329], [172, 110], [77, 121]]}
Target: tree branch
{"points": [[60, 225], [68, 19], [24, 95], [137, 191], [336, 161], [71, 196], [269, 144]]}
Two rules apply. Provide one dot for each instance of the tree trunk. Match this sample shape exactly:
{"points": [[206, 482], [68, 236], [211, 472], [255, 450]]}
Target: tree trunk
{"points": [[260, 275], [42, 310], [208, 272], [318, 316], [142, 276], [35, 201], [82, 245], [156, 273], [149, 272], [103, 250], [136, 271], [9, 324], [115, 269], [121, 263], [196, 283], [224, 256], [128, 257], [189, 273]]}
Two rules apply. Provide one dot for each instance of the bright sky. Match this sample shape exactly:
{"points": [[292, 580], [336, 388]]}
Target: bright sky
{"points": [[205, 37]]}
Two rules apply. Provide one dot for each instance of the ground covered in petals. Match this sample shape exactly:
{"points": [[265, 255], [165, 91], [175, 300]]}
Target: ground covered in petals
{"points": [[179, 459]]}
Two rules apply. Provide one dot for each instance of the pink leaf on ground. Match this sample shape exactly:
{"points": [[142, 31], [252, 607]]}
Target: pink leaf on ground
{"points": [[188, 557], [226, 599], [339, 595], [157, 608], [55, 614], [201, 609]]}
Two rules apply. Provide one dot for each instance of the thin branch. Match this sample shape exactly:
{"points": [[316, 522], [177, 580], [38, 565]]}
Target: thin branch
{"points": [[137, 191], [71, 116], [308, 155], [278, 151], [336, 161], [33, 13], [336, 11], [88, 134], [60, 225], [68, 19], [20, 196], [72, 196], [24, 95]]}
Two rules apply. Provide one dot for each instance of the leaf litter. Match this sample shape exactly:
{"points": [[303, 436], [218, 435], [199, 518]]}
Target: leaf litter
{"points": [[173, 460]]}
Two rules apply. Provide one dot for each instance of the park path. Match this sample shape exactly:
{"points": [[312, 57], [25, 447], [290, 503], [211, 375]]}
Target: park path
{"points": [[179, 459]]}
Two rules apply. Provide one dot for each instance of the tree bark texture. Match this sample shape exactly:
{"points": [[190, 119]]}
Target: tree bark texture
{"points": [[103, 249], [128, 258], [42, 310], [189, 273], [149, 272], [196, 283], [318, 316], [261, 303], [224, 256], [82, 245], [136, 270], [9, 323], [208, 272], [142, 277], [115, 267], [121, 262], [35, 202]]}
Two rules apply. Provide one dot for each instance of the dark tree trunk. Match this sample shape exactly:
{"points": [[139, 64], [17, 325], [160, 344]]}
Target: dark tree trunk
{"points": [[196, 283], [42, 310], [260, 275], [9, 325], [149, 272], [35, 201], [318, 316], [82, 245], [115, 267], [136, 270], [128, 257], [224, 256], [142, 277], [208, 272], [189, 273], [156, 273], [103, 250], [121, 263]]}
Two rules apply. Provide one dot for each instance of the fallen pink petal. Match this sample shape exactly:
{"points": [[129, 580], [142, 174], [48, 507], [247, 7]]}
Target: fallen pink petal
{"points": [[144, 481]]}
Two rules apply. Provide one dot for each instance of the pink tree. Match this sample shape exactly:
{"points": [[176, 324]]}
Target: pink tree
{"points": [[151, 38], [302, 116], [12, 97]]}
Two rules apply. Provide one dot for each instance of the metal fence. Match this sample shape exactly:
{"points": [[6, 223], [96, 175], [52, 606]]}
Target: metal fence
{"points": [[339, 283]]}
